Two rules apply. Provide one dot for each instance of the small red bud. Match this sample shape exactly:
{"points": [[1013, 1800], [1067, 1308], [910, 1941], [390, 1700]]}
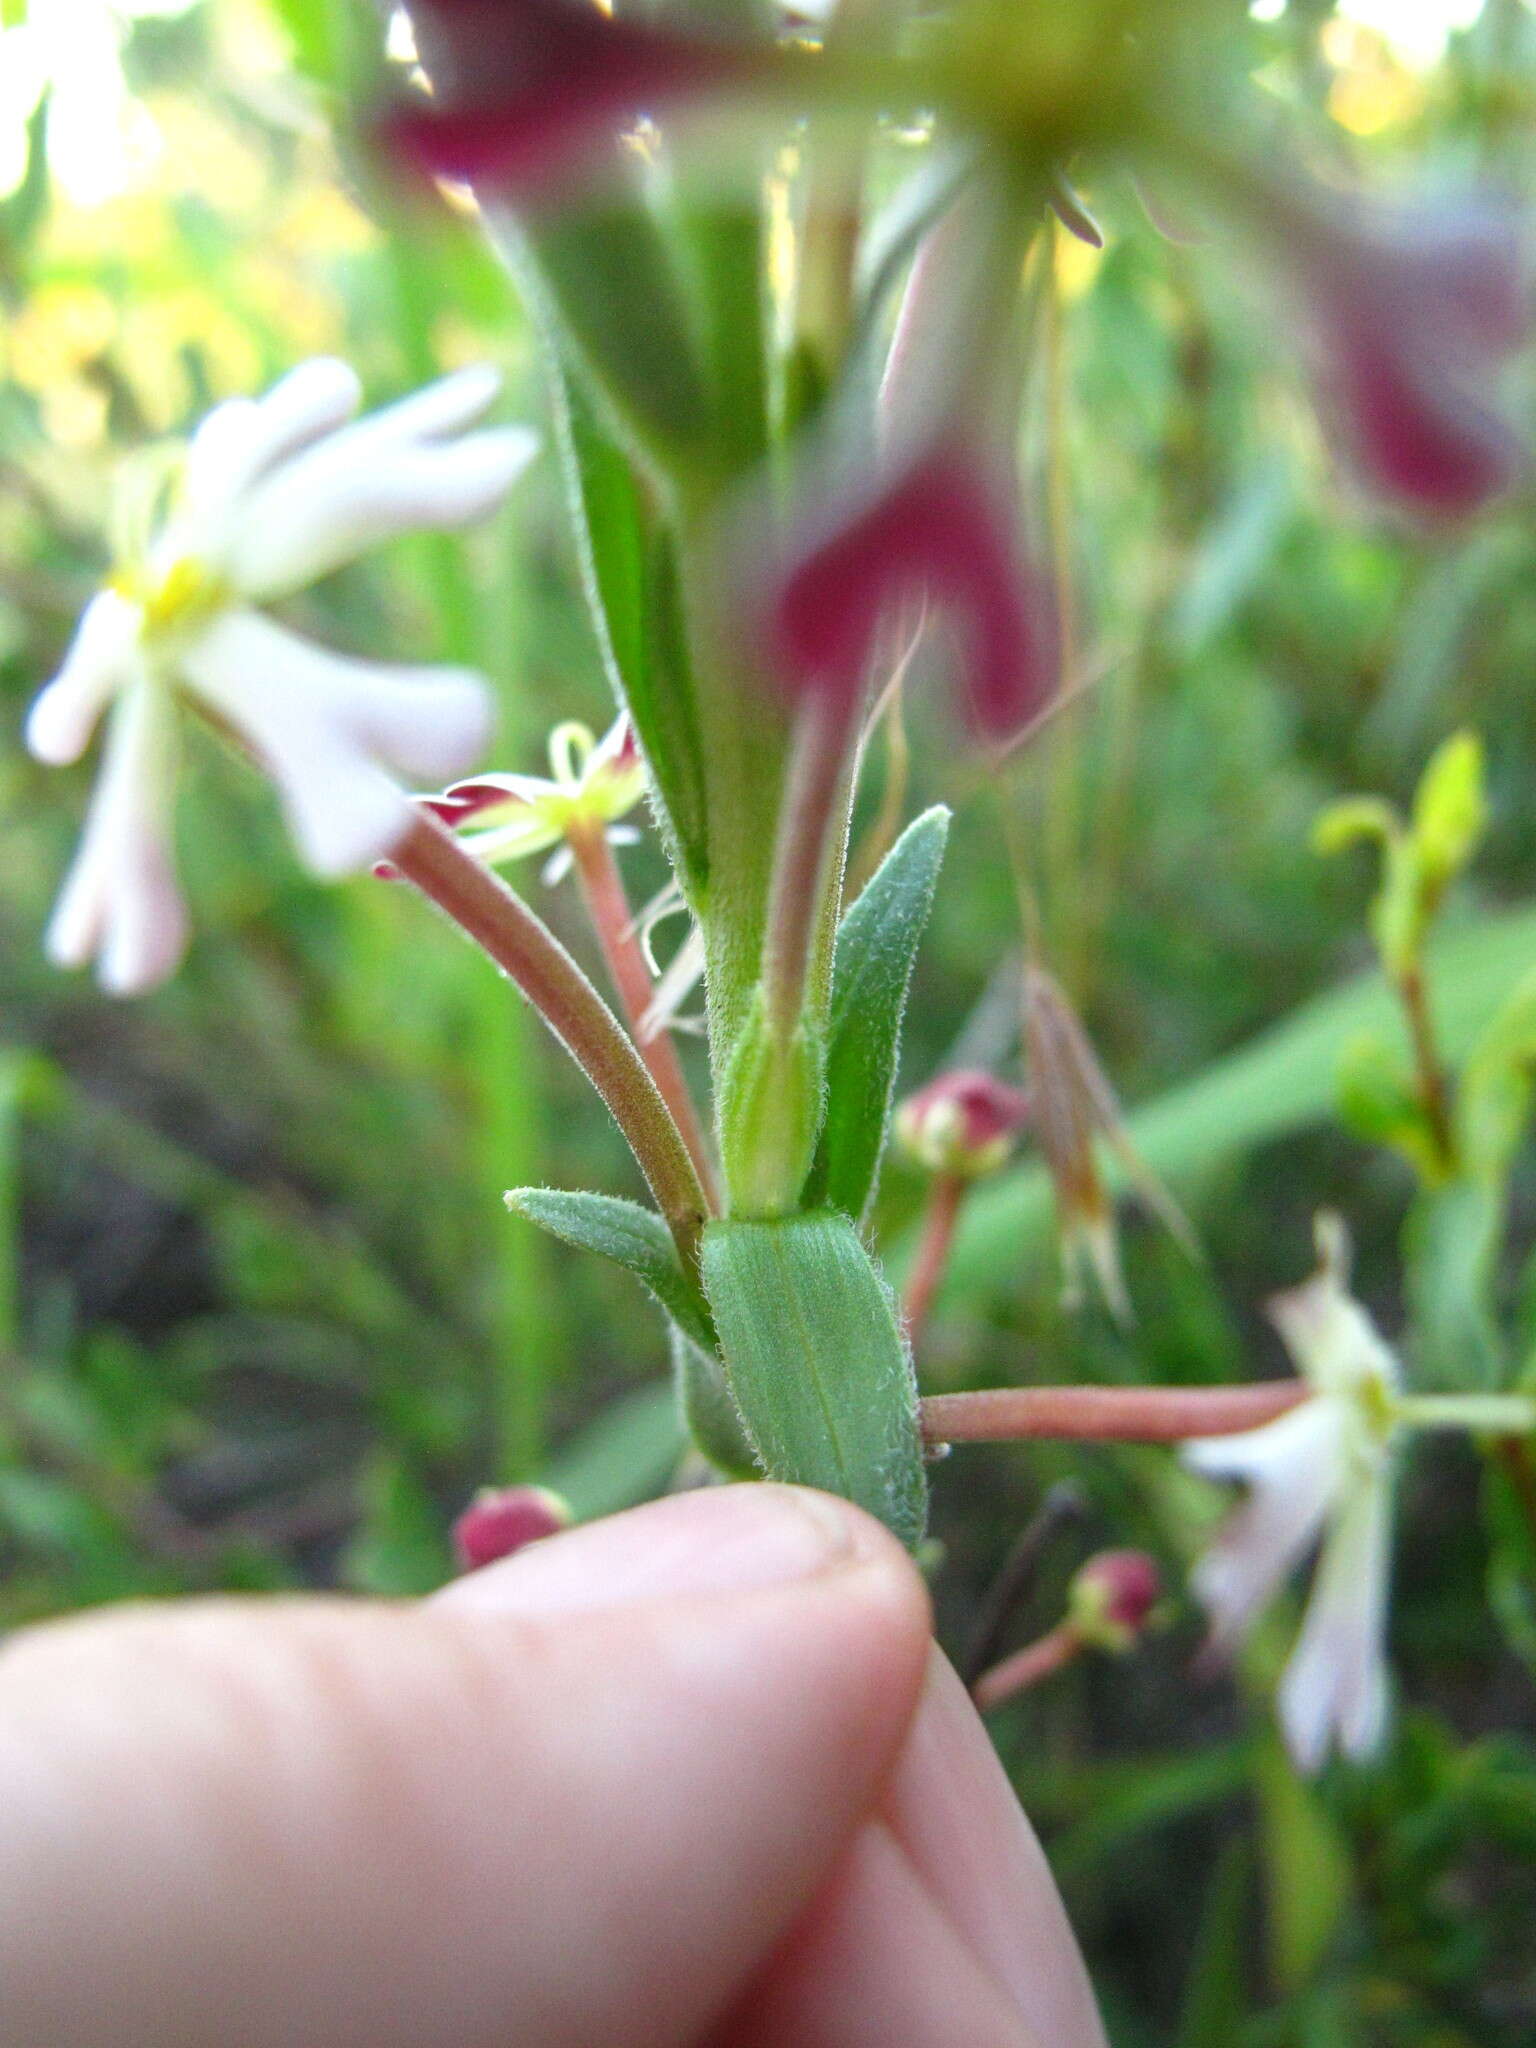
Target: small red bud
{"points": [[963, 1122], [503, 1519], [1113, 1595]]}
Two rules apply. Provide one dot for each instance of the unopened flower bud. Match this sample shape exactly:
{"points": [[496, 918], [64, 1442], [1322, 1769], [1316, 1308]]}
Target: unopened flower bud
{"points": [[503, 1519], [1112, 1597], [962, 1123]]}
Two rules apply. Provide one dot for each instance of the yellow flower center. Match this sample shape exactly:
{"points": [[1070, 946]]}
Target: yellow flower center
{"points": [[175, 601]]}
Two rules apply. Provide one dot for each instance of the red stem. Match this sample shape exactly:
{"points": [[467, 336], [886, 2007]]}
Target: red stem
{"points": [[608, 907], [944, 1200], [1126, 1415], [812, 839], [1026, 1667], [482, 906]]}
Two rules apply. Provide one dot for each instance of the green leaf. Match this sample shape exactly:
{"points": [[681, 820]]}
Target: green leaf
{"points": [[724, 248], [1450, 1256], [1352, 819], [1280, 1083], [1306, 1869], [624, 1456], [1450, 810], [603, 283], [1215, 1992], [630, 577], [708, 1411], [1493, 1097], [871, 971], [1377, 1102], [817, 1363], [631, 1237], [399, 1546], [1508, 1489]]}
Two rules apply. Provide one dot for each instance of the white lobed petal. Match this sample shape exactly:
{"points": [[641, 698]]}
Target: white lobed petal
{"points": [[1334, 1689], [1294, 1467], [101, 660], [241, 440], [445, 406], [327, 727], [120, 904], [385, 475]]}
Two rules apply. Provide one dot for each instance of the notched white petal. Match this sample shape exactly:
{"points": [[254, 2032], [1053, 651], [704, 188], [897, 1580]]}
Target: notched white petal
{"points": [[1294, 1467], [100, 662], [120, 904], [327, 727], [243, 439], [407, 467], [1334, 1689]]}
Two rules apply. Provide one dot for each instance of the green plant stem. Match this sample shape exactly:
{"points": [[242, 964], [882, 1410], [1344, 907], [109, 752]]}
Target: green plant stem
{"points": [[483, 907], [939, 1219], [1111, 1415], [602, 888], [1511, 1415], [1434, 1091]]}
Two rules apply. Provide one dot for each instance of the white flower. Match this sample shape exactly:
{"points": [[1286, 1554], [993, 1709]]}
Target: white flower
{"points": [[1325, 1469], [591, 785], [271, 494]]}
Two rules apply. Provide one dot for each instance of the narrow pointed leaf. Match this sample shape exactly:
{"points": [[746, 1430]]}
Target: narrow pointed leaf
{"points": [[817, 1363], [631, 584], [871, 972], [631, 1237], [707, 1410]]}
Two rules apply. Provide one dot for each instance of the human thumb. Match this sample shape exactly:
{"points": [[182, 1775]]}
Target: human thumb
{"points": [[572, 1800]]}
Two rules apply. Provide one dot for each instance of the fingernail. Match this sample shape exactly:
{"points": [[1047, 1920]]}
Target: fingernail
{"points": [[726, 1539]]}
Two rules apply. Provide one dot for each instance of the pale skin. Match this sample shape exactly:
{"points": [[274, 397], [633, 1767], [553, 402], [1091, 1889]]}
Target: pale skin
{"points": [[694, 1775]]}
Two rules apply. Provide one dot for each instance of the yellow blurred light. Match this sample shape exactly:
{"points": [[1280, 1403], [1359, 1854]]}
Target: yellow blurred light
{"points": [[60, 328], [74, 413], [320, 218], [207, 156], [1077, 265], [1372, 89]]}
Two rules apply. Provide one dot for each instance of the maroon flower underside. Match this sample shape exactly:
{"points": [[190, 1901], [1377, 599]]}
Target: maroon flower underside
{"points": [[532, 88], [1414, 432], [941, 530], [1415, 316]]}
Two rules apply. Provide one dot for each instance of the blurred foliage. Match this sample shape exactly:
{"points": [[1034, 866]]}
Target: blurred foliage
{"points": [[263, 1317]]}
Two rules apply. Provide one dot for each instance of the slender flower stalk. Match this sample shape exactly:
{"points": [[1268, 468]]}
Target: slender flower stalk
{"points": [[1110, 1603], [1111, 1415], [1026, 1668], [602, 888], [946, 1197], [482, 905]]}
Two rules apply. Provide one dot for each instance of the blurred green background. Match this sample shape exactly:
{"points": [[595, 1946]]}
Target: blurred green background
{"points": [[263, 1318]]}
